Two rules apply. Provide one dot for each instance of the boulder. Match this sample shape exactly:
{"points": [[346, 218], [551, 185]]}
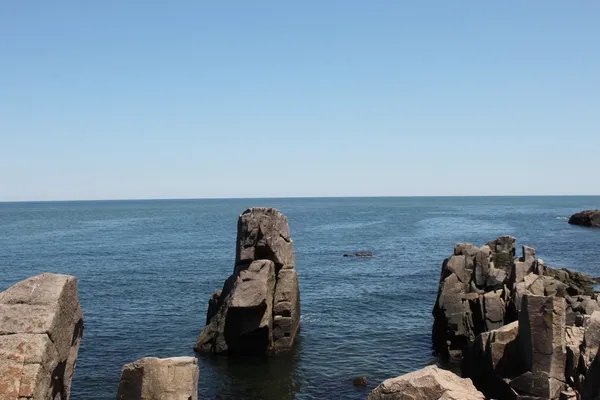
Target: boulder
{"points": [[473, 293], [576, 282], [243, 322], [360, 381], [589, 218], [498, 350], [41, 326], [542, 337], [258, 309], [573, 344], [591, 338], [591, 386], [495, 356], [264, 234], [494, 309], [286, 309], [155, 378], [429, 383]]}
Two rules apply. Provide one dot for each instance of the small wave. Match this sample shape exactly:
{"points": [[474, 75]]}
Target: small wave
{"points": [[562, 217], [309, 318], [346, 225]]}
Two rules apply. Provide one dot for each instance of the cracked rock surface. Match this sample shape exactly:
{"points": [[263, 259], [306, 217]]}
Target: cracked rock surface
{"points": [[41, 326], [258, 309]]}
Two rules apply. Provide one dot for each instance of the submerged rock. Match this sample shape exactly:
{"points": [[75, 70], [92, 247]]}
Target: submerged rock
{"points": [[41, 326], [360, 381], [586, 218], [364, 254], [429, 383], [155, 378], [360, 254], [258, 309]]}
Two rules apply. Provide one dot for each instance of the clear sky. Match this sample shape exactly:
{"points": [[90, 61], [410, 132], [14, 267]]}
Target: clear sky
{"points": [[154, 99]]}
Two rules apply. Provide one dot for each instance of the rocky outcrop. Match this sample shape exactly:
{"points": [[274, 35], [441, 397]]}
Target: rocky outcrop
{"points": [[586, 218], [481, 289], [522, 329], [154, 378], [473, 292], [539, 356], [494, 357], [429, 383], [258, 309], [41, 326]]}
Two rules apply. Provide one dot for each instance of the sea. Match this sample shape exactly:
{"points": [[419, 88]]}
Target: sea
{"points": [[146, 270]]}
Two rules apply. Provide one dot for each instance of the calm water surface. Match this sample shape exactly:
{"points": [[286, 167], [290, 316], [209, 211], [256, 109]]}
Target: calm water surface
{"points": [[147, 268]]}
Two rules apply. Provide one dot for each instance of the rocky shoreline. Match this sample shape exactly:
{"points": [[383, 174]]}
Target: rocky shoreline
{"points": [[518, 328]]}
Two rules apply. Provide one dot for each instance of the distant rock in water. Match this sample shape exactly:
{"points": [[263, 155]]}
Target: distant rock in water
{"points": [[258, 309], [586, 218], [364, 254], [159, 378], [360, 254], [360, 381], [41, 326], [429, 383]]}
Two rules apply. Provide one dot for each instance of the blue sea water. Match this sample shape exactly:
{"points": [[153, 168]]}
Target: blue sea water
{"points": [[147, 268]]}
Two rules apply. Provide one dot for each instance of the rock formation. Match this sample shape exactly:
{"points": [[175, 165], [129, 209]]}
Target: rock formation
{"points": [[481, 289], [429, 383], [541, 338], [586, 218], [155, 378], [542, 357], [519, 325], [495, 356], [474, 292], [258, 309], [41, 326]]}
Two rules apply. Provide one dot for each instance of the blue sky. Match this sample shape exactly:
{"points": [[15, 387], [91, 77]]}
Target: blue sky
{"points": [[155, 99]]}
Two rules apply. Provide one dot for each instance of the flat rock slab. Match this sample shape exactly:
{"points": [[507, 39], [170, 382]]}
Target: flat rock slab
{"points": [[160, 379], [41, 326]]}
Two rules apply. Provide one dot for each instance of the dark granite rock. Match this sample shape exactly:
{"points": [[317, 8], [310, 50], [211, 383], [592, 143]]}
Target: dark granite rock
{"points": [[495, 356], [258, 309], [542, 337], [586, 218], [548, 354], [360, 381], [473, 293]]}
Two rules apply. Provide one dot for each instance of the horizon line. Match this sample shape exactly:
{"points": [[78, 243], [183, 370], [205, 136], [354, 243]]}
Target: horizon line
{"points": [[291, 198]]}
